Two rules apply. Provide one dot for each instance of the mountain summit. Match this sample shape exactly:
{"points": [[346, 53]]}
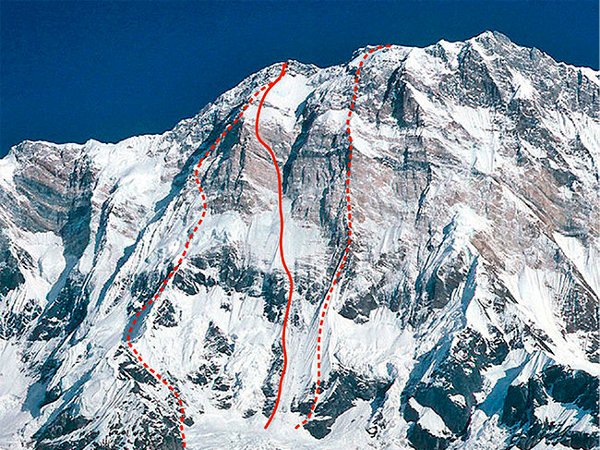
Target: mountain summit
{"points": [[467, 315]]}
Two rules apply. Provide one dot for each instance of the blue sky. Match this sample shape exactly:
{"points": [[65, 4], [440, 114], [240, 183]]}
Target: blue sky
{"points": [[79, 70]]}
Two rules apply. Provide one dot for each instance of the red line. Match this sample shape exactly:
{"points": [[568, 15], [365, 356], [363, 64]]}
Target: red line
{"points": [[281, 253], [344, 261], [190, 235]]}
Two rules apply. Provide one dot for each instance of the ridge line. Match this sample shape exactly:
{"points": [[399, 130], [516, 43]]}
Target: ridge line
{"points": [[343, 262], [136, 354]]}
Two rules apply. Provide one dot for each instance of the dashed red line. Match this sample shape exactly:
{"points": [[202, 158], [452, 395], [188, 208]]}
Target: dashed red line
{"points": [[160, 377], [343, 263], [281, 252]]}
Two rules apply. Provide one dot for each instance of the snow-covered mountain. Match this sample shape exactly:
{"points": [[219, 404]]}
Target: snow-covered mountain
{"points": [[467, 317]]}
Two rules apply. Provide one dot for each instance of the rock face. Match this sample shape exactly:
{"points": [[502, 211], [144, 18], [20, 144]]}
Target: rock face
{"points": [[467, 317]]}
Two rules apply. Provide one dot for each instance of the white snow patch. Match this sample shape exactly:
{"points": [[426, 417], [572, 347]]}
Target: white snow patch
{"points": [[46, 250], [586, 259], [282, 101], [479, 124], [426, 104], [430, 420], [534, 291], [369, 140], [8, 164], [523, 87], [331, 120], [427, 68], [452, 50], [367, 347], [458, 399], [289, 92], [534, 151], [14, 385], [545, 445], [515, 358], [467, 222]]}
